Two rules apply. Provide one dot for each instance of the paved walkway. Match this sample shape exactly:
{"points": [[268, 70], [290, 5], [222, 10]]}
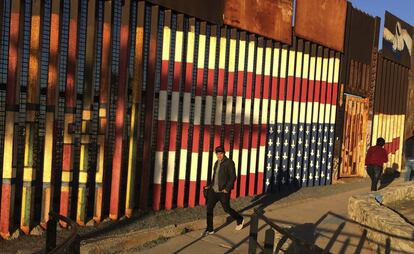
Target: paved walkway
{"points": [[315, 219]]}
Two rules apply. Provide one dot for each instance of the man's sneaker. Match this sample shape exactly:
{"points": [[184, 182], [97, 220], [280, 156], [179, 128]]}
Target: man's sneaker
{"points": [[240, 225], [206, 233]]}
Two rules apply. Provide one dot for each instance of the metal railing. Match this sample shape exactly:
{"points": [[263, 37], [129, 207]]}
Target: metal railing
{"points": [[268, 247], [70, 244]]}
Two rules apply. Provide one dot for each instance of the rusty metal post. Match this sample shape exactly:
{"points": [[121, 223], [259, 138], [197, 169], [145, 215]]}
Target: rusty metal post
{"points": [[253, 234]]}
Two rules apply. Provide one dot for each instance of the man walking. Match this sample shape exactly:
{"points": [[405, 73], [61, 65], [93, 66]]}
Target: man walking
{"points": [[409, 158], [224, 175], [375, 159]]}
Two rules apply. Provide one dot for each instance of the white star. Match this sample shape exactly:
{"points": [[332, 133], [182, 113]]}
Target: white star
{"points": [[283, 180], [286, 129], [324, 150], [322, 175], [317, 164], [313, 140], [268, 167], [277, 141], [306, 143], [318, 154], [270, 143], [298, 165], [269, 154], [311, 164], [323, 161], [301, 128], [304, 179], [316, 176], [312, 153], [319, 142], [326, 129], [291, 159], [279, 130], [328, 177], [277, 156], [311, 176], [293, 145], [300, 141], [329, 155], [325, 139], [294, 131], [320, 129], [332, 129], [306, 156], [299, 154], [284, 156], [271, 130], [291, 168], [297, 176], [329, 165], [314, 128], [286, 143]]}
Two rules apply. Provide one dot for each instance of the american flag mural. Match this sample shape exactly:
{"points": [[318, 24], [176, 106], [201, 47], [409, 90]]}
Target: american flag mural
{"points": [[113, 106]]}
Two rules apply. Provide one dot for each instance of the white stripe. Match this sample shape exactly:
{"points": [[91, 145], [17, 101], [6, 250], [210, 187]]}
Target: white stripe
{"points": [[175, 99], [302, 112], [259, 61], [247, 106], [239, 101], [219, 110], [212, 53], [327, 113], [305, 74], [309, 112], [186, 107], [236, 158], [229, 104], [253, 159], [245, 153], [256, 111], [178, 46], [232, 61], [262, 151], [268, 61], [170, 168], [197, 110], [283, 63], [201, 51], [265, 107], [190, 42], [272, 111], [162, 105], [336, 73], [242, 54], [194, 164], [325, 69], [295, 116], [288, 110], [166, 44], [276, 55], [280, 111], [158, 167], [333, 114], [315, 112], [291, 70], [207, 116], [321, 113], [204, 166], [183, 164], [250, 56]]}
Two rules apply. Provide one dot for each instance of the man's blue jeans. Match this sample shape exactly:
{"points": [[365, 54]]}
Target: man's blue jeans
{"points": [[409, 169]]}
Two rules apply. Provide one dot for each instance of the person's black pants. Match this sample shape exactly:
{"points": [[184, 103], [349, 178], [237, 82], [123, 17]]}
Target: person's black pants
{"points": [[224, 198], [374, 173]]}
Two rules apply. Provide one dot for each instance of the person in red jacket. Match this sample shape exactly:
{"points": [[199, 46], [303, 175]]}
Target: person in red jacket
{"points": [[375, 159]]}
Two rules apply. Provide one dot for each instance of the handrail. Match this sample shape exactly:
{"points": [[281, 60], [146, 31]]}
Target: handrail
{"points": [[69, 245]]}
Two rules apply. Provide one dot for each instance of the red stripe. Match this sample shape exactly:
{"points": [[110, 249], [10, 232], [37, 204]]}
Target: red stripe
{"points": [[266, 87], [252, 183], [296, 96], [234, 191], [263, 130], [230, 84], [164, 75], [259, 183], [70, 80], [200, 76], [210, 82], [282, 88], [245, 138], [64, 203], [156, 197], [180, 197], [303, 97], [173, 136], [335, 93], [206, 141], [67, 157], [255, 135], [290, 83], [323, 92], [227, 129], [5, 209], [188, 77], [169, 189], [220, 87], [240, 76], [237, 132], [184, 135], [311, 87], [274, 88], [249, 85], [196, 138], [258, 86], [192, 194], [202, 200], [217, 136], [13, 48], [243, 185], [177, 74], [161, 133], [329, 95]]}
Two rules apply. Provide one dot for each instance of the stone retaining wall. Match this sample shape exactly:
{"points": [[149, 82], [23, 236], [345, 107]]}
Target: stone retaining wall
{"points": [[384, 223]]}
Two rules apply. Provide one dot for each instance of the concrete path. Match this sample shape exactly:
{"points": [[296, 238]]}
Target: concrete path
{"points": [[318, 220]]}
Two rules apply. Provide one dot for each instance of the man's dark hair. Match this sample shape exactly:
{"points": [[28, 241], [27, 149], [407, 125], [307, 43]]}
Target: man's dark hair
{"points": [[219, 149], [380, 142]]}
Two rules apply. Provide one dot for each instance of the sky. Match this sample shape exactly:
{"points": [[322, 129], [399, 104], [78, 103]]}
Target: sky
{"points": [[404, 9]]}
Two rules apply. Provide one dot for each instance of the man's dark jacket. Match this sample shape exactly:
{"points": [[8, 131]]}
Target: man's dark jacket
{"points": [[227, 175], [409, 148]]}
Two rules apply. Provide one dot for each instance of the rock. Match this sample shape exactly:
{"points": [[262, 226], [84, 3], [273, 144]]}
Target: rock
{"points": [[16, 234], [123, 218], [91, 223], [37, 231], [106, 220]]}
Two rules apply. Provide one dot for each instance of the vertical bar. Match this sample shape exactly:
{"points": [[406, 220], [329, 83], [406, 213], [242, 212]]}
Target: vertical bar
{"points": [[197, 94], [121, 15], [254, 224], [32, 107], [239, 110], [256, 112], [247, 123], [47, 114], [172, 157], [101, 162], [9, 172], [70, 98], [84, 93], [269, 241], [163, 96], [303, 124], [147, 156], [207, 99]]}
